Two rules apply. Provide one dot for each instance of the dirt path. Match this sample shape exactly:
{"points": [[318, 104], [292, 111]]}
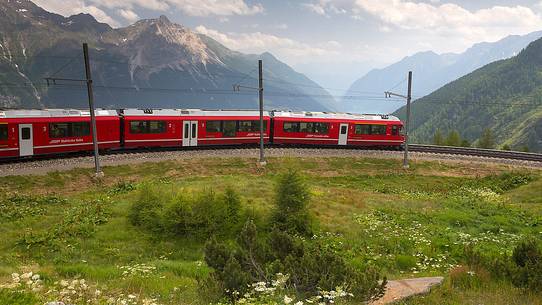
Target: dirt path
{"points": [[400, 289]]}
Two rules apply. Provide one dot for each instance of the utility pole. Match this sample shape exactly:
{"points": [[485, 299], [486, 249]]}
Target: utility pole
{"points": [[407, 122], [99, 172], [260, 91], [237, 87], [88, 81], [408, 98]]}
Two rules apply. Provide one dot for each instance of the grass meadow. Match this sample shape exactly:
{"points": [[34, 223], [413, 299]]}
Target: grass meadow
{"points": [[75, 232]]}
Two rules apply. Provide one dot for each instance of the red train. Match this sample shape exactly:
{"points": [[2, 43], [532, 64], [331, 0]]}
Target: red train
{"points": [[54, 131]]}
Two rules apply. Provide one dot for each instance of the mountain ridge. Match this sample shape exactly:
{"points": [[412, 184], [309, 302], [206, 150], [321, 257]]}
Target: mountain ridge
{"points": [[504, 96], [153, 62], [431, 71]]}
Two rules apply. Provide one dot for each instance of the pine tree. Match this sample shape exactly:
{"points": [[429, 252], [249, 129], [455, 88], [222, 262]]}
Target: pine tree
{"points": [[437, 138], [453, 138], [291, 212], [486, 140]]}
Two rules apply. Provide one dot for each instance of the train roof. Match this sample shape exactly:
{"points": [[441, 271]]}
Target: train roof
{"points": [[191, 112], [335, 115], [53, 113]]}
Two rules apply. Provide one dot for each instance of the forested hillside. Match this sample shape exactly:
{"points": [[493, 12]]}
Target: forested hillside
{"points": [[504, 97]]}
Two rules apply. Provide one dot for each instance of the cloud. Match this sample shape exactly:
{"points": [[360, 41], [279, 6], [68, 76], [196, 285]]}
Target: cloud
{"points": [[258, 42], [451, 19], [316, 8], [282, 26], [214, 7], [129, 15], [124, 9], [189, 7], [68, 8], [328, 7]]}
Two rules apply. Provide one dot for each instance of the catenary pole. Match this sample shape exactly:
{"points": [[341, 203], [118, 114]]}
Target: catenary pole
{"points": [[99, 172], [407, 122], [260, 91]]}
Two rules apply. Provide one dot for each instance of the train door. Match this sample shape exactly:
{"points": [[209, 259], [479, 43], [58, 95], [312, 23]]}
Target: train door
{"points": [[190, 133], [26, 142], [343, 134]]}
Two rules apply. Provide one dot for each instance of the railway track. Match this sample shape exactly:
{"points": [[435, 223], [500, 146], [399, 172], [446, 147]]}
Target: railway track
{"points": [[45, 164], [478, 152]]}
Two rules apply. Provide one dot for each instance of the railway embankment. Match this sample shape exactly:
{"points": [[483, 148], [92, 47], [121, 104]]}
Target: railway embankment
{"points": [[43, 166], [175, 230]]}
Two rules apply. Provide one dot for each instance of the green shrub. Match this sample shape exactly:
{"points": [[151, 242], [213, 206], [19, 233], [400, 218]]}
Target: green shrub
{"points": [[122, 187], [79, 221], [203, 215], [523, 268], [464, 278], [19, 206], [147, 210], [405, 262], [528, 258], [506, 181], [15, 297], [292, 197], [311, 265]]}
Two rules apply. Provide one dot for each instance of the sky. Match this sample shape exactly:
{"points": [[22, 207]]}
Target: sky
{"points": [[334, 42]]}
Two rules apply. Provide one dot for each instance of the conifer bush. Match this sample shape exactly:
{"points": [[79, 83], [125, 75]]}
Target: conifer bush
{"points": [[291, 200], [203, 215]]}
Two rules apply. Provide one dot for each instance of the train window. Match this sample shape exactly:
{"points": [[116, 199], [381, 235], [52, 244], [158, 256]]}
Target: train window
{"points": [[80, 129], [25, 133], [362, 129], [157, 126], [395, 130], [230, 127], [214, 126], [366, 129], [3, 132], [147, 127], [251, 126], [320, 128], [291, 127], [306, 127], [66, 130], [378, 129], [59, 130]]}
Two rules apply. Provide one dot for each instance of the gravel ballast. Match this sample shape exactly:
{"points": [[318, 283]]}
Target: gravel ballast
{"points": [[44, 166]]}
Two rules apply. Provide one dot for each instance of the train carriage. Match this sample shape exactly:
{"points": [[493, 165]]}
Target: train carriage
{"points": [[151, 127], [36, 132], [230, 127], [191, 127], [52, 131], [325, 128]]}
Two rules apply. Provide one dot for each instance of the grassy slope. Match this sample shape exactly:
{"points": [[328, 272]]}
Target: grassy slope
{"points": [[381, 214]]}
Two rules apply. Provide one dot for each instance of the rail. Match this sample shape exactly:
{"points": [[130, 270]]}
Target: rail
{"points": [[479, 152]]}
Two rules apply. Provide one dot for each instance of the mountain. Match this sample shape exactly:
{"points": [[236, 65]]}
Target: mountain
{"points": [[430, 72], [151, 63], [505, 96]]}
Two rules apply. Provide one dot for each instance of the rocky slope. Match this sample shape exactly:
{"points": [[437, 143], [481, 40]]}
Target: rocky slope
{"points": [[152, 63]]}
